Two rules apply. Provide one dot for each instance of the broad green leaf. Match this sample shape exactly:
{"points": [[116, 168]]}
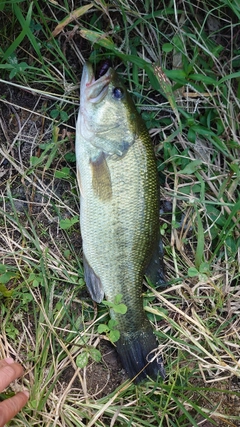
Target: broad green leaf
{"points": [[95, 354], [167, 47], [34, 160], [192, 272], [215, 215], [176, 75], [114, 335], [6, 277], [103, 328], [65, 224], [63, 173], [3, 268], [108, 303], [118, 298], [22, 66], [11, 331], [54, 113], [82, 359], [64, 115], [120, 308], [193, 188], [70, 157], [112, 324], [204, 267], [191, 167], [232, 245]]}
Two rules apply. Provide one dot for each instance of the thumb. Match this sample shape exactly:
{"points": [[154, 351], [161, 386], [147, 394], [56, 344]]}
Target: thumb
{"points": [[10, 407]]}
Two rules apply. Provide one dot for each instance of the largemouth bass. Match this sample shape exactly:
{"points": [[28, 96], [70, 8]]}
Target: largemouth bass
{"points": [[119, 211]]}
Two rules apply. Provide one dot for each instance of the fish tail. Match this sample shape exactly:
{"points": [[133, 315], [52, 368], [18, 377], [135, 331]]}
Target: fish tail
{"points": [[134, 349]]}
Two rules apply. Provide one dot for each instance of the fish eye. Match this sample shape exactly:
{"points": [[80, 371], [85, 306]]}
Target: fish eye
{"points": [[118, 93]]}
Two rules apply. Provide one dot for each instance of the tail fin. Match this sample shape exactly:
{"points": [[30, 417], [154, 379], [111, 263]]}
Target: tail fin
{"points": [[134, 348]]}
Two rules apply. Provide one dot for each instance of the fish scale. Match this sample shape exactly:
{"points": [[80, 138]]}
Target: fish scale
{"points": [[119, 208]]}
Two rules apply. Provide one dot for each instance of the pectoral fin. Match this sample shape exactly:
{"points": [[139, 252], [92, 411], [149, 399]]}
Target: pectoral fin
{"points": [[93, 282], [101, 178], [79, 181]]}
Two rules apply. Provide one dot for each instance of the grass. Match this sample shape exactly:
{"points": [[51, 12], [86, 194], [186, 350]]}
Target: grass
{"points": [[181, 63]]}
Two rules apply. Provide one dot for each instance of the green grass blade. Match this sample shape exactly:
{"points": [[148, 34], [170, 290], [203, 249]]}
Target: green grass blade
{"points": [[26, 31]]}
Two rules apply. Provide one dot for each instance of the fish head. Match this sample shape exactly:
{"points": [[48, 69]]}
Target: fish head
{"points": [[107, 114]]}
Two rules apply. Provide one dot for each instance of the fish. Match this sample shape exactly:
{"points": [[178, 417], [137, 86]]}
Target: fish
{"points": [[119, 213]]}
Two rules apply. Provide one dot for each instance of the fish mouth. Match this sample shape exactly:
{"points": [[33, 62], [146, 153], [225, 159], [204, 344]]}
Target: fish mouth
{"points": [[95, 89]]}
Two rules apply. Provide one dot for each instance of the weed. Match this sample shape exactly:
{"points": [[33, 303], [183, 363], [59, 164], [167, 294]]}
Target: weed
{"points": [[111, 329]]}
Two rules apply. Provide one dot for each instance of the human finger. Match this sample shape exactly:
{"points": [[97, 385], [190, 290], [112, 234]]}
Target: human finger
{"points": [[9, 371], [10, 407]]}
